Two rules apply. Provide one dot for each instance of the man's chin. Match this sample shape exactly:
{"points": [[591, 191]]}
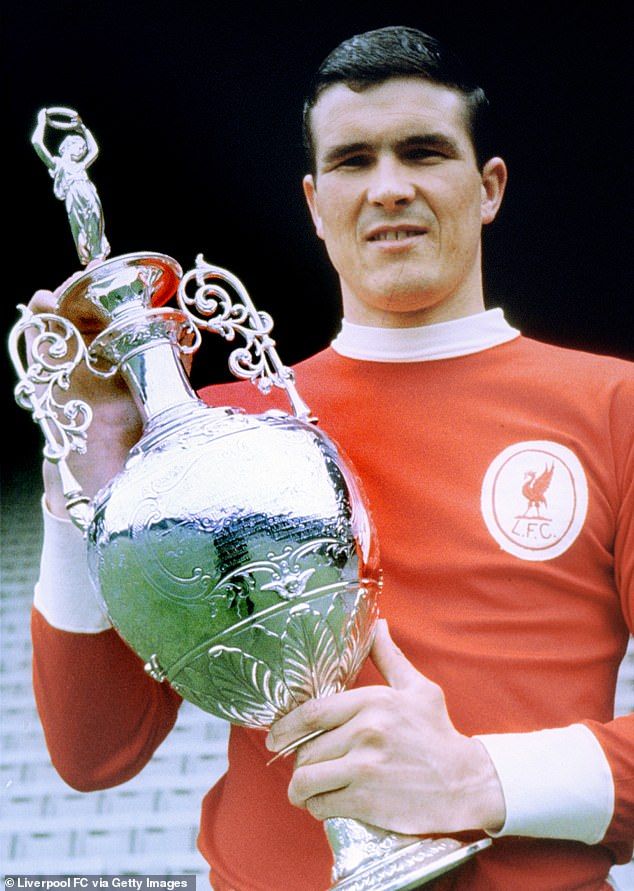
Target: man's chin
{"points": [[404, 301]]}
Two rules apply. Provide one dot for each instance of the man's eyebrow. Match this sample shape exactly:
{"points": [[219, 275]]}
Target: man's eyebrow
{"points": [[345, 148], [429, 140]]}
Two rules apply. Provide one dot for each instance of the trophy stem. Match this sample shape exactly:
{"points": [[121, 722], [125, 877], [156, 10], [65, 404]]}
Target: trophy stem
{"points": [[157, 380], [370, 859]]}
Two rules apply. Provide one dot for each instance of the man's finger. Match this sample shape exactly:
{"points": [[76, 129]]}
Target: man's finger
{"points": [[317, 779], [42, 301], [316, 714], [397, 670], [327, 746]]}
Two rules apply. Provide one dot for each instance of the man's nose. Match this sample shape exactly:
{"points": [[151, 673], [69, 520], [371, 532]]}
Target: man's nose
{"points": [[390, 187]]}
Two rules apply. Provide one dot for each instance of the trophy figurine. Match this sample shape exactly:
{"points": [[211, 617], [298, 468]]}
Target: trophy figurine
{"points": [[234, 553]]}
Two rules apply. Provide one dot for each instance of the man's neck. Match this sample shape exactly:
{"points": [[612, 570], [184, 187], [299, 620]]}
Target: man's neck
{"points": [[422, 343], [468, 300]]}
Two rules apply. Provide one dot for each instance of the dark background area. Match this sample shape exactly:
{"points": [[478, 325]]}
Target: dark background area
{"points": [[196, 107]]}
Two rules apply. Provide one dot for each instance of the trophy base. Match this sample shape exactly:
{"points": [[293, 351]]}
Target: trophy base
{"points": [[411, 866]]}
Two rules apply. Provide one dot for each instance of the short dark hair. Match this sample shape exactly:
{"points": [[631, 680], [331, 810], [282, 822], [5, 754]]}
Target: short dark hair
{"points": [[397, 51]]}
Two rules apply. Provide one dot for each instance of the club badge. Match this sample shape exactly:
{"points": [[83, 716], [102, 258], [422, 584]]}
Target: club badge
{"points": [[535, 499]]}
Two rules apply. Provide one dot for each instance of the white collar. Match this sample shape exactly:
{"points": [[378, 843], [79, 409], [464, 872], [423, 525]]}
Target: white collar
{"points": [[443, 340]]}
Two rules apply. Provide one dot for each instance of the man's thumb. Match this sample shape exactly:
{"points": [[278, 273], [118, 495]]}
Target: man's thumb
{"points": [[397, 670]]}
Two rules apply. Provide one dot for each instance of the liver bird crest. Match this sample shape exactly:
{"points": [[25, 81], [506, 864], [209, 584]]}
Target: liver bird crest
{"points": [[534, 489]]}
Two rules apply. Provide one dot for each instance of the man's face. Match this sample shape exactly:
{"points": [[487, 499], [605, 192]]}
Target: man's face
{"points": [[399, 200]]}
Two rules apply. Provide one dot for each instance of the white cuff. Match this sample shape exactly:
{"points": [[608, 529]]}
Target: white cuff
{"points": [[556, 783], [64, 593]]}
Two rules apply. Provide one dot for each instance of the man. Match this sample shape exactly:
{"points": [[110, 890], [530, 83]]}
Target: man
{"points": [[500, 475]]}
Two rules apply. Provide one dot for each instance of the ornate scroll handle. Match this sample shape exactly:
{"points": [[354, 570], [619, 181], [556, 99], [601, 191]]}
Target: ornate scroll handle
{"points": [[54, 348], [258, 360]]}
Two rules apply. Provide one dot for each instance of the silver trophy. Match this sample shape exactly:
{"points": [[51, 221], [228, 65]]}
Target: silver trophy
{"points": [[234, 553]]}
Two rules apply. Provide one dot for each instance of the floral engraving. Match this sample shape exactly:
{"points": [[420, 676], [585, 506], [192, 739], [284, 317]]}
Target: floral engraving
{"points": [[309, 658], [310, 655], [275, 671], [290, 582], [245, 689], [385, 870], [357, 634]]}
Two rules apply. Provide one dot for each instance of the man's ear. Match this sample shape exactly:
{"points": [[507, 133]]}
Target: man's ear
{"points": [[310, 191], [494, 178]]}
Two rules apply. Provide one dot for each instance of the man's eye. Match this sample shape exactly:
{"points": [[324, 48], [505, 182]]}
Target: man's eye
{"points": [[354, 161], [424, 154]]}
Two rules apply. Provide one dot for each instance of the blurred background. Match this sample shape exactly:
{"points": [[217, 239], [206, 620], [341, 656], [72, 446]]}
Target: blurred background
{"points": [[196, 107]]}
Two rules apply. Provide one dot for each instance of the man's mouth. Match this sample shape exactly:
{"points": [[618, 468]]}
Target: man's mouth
{"points": [[395, 233]]}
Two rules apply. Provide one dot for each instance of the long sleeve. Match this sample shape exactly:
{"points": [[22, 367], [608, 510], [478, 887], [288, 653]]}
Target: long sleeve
{"points": [[577, 782], [617, 741], [617, 736], [103, 716]]}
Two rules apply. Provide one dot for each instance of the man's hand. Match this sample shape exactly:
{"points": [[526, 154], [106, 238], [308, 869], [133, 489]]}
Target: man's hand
{"points": [[390, 756]]}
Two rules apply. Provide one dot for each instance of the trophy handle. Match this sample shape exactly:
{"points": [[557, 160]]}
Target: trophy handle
{"points": [[54, 348], [258, 360]]}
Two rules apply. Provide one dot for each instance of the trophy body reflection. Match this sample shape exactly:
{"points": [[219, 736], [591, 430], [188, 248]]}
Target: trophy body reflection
{"points": [[234, 553]]}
